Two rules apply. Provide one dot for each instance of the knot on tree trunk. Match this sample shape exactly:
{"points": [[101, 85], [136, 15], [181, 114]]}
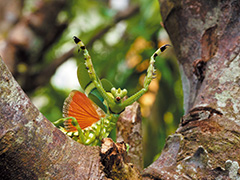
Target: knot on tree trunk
{"points": [[113, 157]]}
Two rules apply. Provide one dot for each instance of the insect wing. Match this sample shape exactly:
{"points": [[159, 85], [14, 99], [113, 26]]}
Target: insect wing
{"points": [[77, 105], [96, 97], [107, 85], [83, 77]]}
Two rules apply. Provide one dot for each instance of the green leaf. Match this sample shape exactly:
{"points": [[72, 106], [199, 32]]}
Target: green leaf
{"points": [[83, 77], [107, 85]]}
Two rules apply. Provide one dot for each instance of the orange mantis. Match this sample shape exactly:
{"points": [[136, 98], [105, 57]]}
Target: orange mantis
{"points": [[90, 117]]}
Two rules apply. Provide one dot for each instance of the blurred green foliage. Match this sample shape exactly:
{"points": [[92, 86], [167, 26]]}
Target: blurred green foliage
{"points": [[109, 54]]}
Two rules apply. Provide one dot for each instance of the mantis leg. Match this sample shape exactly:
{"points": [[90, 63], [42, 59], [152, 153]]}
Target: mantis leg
{"points": [[79, 129], [92, 74], [59, 122], [151, 72], [86, 136], [75, 123]]}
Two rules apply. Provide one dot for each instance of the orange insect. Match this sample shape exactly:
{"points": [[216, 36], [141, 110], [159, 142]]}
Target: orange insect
{"points": [[88, 121]]}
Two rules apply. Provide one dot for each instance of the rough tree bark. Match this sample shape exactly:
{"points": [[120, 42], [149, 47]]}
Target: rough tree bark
{"points": [[206, 38], [205, 35], [32, 148]]}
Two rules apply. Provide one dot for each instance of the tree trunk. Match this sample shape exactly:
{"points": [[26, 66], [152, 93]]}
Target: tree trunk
{"points": [[205, 35], [31, 147]]}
